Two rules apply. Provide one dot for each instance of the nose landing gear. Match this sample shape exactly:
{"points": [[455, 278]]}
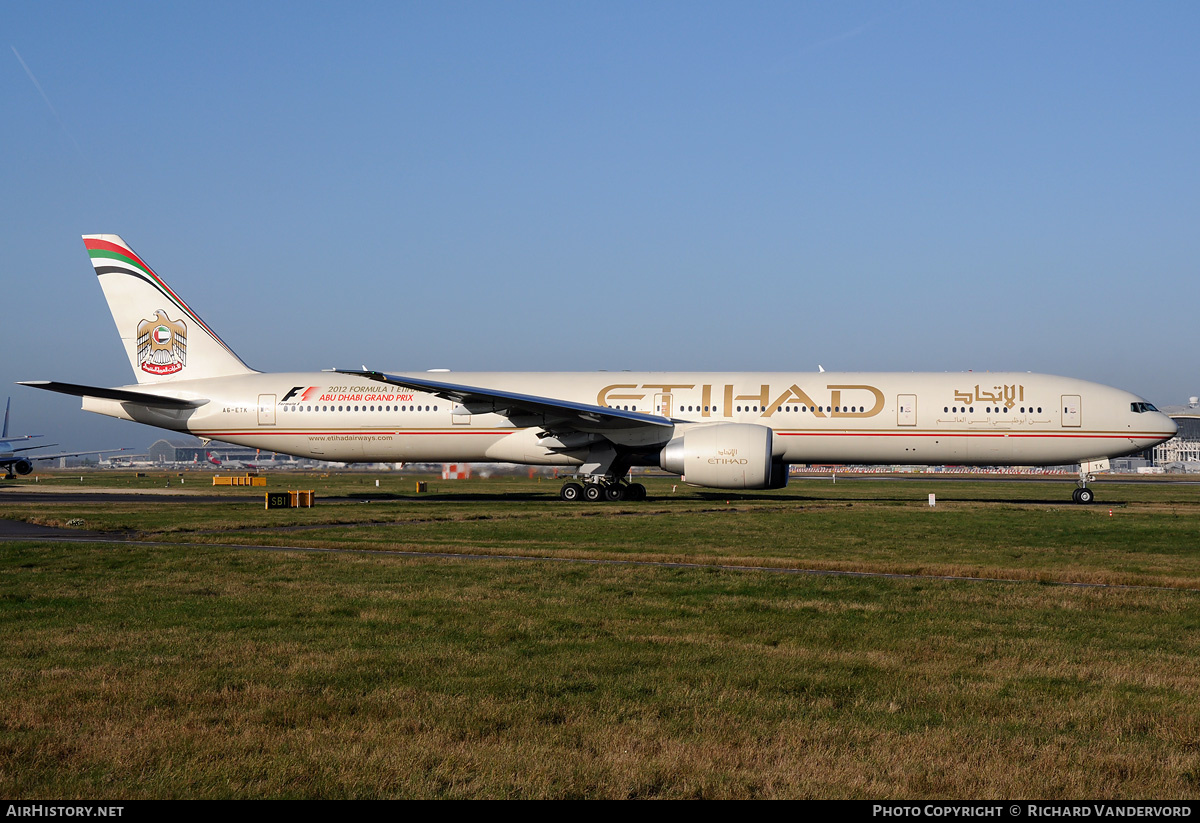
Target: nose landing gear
{"points": [[1083, 494]]}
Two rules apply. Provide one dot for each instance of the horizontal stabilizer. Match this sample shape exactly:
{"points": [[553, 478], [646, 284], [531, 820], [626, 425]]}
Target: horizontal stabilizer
{"points": [[120, 395]]}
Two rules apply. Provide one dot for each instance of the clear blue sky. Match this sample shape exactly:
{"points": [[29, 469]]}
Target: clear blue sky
{"points": [[922, 186]]}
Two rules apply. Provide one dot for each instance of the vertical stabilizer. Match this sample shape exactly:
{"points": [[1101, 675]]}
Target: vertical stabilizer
{"points": [[4, 434], [164, 339]]}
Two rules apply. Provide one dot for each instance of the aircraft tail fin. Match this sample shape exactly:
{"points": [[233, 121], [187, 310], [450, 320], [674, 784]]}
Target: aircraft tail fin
{"points": [[164, 339], [4, 434]]}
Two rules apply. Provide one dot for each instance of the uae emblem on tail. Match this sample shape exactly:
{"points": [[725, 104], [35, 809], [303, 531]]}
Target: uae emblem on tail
{"points": [[161, 344]]}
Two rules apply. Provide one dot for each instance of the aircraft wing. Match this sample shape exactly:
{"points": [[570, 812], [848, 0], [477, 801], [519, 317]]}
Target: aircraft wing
{"points": [[30, 448], [120, 395], [11, 460], [72, 454], [579, 416]]}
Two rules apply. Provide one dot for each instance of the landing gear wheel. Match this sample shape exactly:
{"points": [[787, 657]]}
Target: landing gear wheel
{"points": [[635, 491], [593, 492], [1084, 496], [614, 493], [571, 492]]}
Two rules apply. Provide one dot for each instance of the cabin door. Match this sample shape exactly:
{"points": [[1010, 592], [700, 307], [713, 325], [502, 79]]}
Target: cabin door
{"points": [[266, 410], [662, 405], [1071, 411]]}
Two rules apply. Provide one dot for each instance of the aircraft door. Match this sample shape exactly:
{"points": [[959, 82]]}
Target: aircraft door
{"points": [[266, 410], [906, 410], [460, 416], [1072, 412], [662, 405]]}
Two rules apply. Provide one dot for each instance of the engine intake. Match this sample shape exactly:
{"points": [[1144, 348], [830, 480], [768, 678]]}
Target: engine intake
{"points": [[725, 456]]}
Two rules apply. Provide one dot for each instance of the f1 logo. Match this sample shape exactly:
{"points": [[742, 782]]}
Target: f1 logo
{"points": [[296, 390]]}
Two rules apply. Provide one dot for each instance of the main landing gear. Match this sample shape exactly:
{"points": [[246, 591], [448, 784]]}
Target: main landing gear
{"points": [[596, 490], [602, 477]]}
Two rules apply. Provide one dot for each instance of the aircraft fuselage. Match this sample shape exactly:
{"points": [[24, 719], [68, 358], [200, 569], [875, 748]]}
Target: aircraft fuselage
{"points": [[971, 418]]}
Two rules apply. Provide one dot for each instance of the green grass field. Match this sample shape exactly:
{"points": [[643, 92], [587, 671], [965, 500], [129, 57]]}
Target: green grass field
{"points": [[197, 670]]}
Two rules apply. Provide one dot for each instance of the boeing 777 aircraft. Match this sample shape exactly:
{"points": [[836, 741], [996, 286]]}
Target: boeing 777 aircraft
{"points": [[720, 430]]}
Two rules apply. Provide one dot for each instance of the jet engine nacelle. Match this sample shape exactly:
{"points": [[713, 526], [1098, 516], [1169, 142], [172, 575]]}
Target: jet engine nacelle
{"points": [[725, 456], [22, 467]]}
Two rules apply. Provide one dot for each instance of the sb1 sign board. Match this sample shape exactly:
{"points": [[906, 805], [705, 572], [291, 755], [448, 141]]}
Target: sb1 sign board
{"points": [[291, 499]]}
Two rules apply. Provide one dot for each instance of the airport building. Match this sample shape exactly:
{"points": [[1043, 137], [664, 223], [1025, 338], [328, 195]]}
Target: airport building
{"points": [[175, 451], [192, 450], [1181, 452]]}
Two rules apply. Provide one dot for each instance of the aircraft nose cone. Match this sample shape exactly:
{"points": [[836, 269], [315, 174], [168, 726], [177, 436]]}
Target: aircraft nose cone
{"points": [[1170, 427]]}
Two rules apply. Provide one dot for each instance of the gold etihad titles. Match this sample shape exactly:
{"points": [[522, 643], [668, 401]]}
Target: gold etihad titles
{"points": [[845, 400], [1000, 395]]}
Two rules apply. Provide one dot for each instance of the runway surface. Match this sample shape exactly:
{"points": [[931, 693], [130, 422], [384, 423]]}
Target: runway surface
{"points": [[21, 496]]}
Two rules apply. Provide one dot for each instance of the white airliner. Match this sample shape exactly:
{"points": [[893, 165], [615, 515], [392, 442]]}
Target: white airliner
{"points": [[719, 430], [15, 459]]}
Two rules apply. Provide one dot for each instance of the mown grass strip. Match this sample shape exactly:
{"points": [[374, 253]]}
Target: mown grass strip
{"points": [[163, 671]]}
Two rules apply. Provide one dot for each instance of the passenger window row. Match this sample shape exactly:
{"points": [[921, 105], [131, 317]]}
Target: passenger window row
{"points": [[327, 408], [989, 410]]}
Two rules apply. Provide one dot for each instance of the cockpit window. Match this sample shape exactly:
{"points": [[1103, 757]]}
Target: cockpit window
{"points": [[1142, 407]]}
